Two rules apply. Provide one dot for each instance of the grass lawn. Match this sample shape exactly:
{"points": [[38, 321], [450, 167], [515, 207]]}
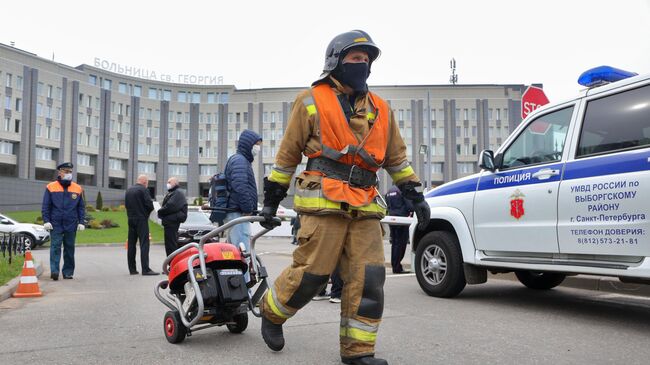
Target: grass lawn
{"points": [[108, 235], [8, 272]]}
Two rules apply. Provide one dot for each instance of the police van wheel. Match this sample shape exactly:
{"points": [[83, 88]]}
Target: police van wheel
{"points": [[241, 322], [175, 330], [439, 265], [540, 280]]}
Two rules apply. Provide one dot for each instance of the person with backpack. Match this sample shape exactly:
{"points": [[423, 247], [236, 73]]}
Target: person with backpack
{"points": [[242, 188]]}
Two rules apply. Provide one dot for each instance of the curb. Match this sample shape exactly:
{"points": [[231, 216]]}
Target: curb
{"points": [[9, 288]]}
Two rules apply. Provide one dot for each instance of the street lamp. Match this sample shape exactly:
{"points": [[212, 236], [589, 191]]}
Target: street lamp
{"points": [[424, 151]]}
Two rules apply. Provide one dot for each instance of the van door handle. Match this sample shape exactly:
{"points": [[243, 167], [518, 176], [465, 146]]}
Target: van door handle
{"points": [[546, 174]]}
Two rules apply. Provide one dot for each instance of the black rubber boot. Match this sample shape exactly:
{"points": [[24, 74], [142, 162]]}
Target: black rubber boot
{"points": [[272, 334], [365, 360]]}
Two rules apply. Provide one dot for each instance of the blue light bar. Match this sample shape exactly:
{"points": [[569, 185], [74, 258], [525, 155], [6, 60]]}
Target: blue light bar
{"points": [[603, 75]]}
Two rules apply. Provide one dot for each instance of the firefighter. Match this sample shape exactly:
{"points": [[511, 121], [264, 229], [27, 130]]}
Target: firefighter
{"points": [[347, 133]]}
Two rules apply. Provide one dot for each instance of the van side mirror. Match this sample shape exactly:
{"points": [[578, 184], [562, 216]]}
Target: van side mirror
{"points": [[5, 221], [486, 160]]}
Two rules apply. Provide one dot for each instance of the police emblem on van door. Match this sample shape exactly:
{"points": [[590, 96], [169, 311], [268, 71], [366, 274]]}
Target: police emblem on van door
{"points": [[517, 204]]}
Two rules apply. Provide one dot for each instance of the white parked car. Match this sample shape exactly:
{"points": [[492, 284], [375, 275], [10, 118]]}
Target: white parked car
{"points": [[35, 234], [567, 193]]}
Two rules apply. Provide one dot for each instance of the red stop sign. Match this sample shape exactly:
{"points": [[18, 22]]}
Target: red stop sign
{"points": [[532, 99]]}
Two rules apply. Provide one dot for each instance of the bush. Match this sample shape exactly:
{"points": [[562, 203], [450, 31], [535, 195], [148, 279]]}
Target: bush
{"points": [[90, 208], [198, 201], [105, 209], [115, 209], [100, 202], [39, 220], [107, 223], [94, 224], [121, 208]]}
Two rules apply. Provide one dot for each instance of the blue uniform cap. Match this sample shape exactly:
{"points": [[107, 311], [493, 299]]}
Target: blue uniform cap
{"points": [[65, 165]]}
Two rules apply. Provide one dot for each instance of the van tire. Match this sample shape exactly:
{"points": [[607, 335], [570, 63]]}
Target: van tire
{"points": [[446, 279], [540, 280]]}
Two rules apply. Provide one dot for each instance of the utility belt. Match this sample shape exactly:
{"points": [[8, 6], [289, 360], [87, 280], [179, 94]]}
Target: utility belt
{"points": [[355, 176]]}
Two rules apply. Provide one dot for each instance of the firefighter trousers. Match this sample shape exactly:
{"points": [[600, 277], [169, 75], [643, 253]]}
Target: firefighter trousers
{"points": [[356, 245]]}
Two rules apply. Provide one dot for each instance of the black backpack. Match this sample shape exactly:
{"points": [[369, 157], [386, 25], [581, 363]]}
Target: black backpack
{"points": [[219, 196]]}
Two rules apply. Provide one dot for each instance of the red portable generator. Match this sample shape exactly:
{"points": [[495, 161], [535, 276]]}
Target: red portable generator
{"points": [[207, 287]]}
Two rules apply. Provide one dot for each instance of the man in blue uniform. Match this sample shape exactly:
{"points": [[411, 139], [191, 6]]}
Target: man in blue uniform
{"points": [[399, 235], [63, 214]]}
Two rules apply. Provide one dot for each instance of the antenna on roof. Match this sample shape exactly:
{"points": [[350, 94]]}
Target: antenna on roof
{"points": [[453, 79]]}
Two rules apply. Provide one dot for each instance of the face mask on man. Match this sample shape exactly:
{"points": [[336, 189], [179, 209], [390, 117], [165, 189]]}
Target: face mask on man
{"points": [[169, 186], [353, 75], [256, 150], [67, 177]]}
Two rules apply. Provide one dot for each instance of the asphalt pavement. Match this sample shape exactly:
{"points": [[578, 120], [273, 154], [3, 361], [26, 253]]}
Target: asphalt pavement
{"points": [[106, 316]]}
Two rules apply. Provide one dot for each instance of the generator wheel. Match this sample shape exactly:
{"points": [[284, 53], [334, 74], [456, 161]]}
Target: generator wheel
{"points": [[241, 322], [175, 330]]}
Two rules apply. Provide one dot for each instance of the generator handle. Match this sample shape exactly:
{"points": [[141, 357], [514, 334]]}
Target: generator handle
{"points": [[245, 219]]}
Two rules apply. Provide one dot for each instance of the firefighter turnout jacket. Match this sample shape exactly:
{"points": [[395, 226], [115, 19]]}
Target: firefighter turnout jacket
{"points": [[318, 128]]}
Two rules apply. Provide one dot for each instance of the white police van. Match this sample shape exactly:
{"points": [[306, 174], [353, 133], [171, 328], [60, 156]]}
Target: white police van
{"points": [[567, 193]]}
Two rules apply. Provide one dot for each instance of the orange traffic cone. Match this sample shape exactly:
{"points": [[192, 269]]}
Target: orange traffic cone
{"points": [[28, 286]]}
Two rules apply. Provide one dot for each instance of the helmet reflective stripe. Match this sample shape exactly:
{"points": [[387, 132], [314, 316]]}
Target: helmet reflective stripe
{"points": [[345, 41]]}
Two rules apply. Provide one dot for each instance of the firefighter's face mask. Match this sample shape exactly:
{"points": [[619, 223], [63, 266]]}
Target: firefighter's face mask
{"points": [[354, 70]]}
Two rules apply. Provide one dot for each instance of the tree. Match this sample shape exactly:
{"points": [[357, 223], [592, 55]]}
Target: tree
{"points": [[100, 203]]}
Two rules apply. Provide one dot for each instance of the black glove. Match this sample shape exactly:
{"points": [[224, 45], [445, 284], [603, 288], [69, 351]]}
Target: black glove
{"points": [[273, 195], [420, 206]]}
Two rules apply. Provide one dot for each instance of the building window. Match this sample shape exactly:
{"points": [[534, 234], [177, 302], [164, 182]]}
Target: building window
{"points": [[8, 102], [83, 160], [122, 88], [181, 97], [167, 95], [458, 132], [224, 98], [211, 98], [8, 80], [153, 93], [147, 167], [196, 98], [49, 91], [465, 167], [115, 164], [137, 90], [59, 94], [19, 82], [465, 114], [473, 131], [92, 79], [7, 124], [6, 148], [490, 113], [43, 154], [107, 84], [19, 106]]}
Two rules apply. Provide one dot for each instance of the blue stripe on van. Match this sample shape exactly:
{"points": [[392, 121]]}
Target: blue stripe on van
{"points": [[619, 163], [492, 182]]}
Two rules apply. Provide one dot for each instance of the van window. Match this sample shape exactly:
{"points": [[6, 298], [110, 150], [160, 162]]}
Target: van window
{"points": [[542, 141], [616, 122]]}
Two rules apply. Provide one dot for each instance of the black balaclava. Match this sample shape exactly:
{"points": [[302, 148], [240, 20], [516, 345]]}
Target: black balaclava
{"points": [[353, 75]]}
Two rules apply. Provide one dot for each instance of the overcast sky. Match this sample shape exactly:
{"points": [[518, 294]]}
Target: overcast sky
{"points": [[282, 43]]}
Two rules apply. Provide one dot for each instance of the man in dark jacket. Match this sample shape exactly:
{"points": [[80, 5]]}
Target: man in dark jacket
{"points": [[242, 186], [399, 235], [172, 213], [63, 212], [138, 208]]}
